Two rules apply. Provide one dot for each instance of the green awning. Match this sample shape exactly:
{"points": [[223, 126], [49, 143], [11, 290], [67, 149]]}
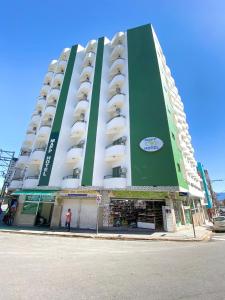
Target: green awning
{"points": [[35, 192]]}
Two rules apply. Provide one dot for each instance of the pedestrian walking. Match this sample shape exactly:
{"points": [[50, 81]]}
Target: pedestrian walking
{"points": [[68, 219]]}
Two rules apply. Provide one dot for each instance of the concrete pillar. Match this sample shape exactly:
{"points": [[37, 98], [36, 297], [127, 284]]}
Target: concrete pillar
{"points": [[56, 214], [103, 218], [169, 219]]}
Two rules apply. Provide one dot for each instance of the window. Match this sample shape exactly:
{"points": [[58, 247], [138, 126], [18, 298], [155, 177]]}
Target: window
{"points": [[178, 166], [29, 208], [173, 136]]}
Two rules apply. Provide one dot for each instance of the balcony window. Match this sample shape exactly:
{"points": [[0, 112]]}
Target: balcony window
{"points": [[79, 145], [75, 175], [120, 141], [117, 172]]}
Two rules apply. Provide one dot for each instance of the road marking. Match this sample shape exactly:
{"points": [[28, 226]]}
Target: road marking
{"points": [[218, 237]]}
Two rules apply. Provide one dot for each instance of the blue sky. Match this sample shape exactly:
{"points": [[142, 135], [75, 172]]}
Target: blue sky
{"points": [[191, 33]]}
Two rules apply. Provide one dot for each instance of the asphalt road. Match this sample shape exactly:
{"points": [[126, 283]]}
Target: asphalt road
{"points": [[39, 267]]}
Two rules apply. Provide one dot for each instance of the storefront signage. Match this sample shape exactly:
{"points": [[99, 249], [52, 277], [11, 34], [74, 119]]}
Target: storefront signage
{"points": [[151, 144]]}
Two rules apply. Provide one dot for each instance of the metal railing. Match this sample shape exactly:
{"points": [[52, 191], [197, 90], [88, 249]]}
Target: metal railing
{"points": [[115, 95], [120, 115], [71, 176]]}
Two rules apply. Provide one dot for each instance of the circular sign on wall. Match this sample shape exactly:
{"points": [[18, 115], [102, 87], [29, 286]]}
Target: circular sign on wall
{"points": [[151, 144]]}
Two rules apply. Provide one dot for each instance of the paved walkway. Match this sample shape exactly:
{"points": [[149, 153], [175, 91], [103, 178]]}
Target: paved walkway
{"points": [[203, 233]]}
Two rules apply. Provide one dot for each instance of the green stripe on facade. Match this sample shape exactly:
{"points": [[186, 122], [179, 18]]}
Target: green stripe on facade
{"points": [[54, 136], [177, 154], [148, 116], [93, 118]]}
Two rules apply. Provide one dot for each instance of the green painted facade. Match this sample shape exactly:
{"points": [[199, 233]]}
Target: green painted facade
{"points": [[177, 154], [148, 115], [93, 118], [54, 136]]}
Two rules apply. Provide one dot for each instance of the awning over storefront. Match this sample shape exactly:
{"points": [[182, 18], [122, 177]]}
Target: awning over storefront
{"points": [[35, 192]]}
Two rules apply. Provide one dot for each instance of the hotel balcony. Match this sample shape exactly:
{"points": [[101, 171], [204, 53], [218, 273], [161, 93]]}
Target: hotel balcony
{"points": [[118, 39], [81, 107], [44, 132], [53, 95], [115, 124], [45, 89], [78, 129], [65, 54], [31, 181], [70, 182], [91, 46], [84, 88], [118, 65], [58, 79], [35, 119], [116, 101], [87, 72], [16, 183], [52, 66], [50, 111], [61, 66], [74, 154], [29, 139], [89, 59], [37, 156], [117, 82], [114, 153], [48, 77], [23, 158], [118, 52], [168, 72], [114, 182], [41, 103]]}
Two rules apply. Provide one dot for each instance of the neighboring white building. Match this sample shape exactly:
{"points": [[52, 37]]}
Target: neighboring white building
{"points": [[109, 119]]}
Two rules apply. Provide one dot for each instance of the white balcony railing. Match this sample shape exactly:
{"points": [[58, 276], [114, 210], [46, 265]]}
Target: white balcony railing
{"points": [[117, 52], [114, 153], [91, 46], [37, 156], [87, 72], [74, 154], [44, 132], [118, 38], [114, 182], [81, 107], [30, 181], [69, 182], [118, 64], [78, 129], [115, 124], [52, 66], [84, 88], [116, 101], [117, 82], [16, 184]]}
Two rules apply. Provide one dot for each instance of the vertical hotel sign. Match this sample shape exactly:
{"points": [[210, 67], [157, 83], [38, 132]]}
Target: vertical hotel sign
{"points": [[54, 136]]}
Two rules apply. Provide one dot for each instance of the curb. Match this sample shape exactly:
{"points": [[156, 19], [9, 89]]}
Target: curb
{"points": [[205, 237]]}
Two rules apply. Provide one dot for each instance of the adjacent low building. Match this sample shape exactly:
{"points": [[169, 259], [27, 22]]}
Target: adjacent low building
{"points": [[109, 120]]}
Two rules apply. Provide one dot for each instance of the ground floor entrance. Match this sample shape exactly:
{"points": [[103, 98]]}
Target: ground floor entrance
{"points": [[136, 213], [44, 214], [84, 213]]}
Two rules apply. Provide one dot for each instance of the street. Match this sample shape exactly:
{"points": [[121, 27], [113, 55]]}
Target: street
{"points": [[39, 267]]}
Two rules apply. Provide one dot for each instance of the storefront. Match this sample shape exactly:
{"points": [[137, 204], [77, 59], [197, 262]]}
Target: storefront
{"points": [[83, 208], [35, 208], [136, 213]]}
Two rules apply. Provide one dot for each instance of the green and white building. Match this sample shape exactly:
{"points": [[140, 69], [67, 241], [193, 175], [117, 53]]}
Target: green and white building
{"points": [[109, 120]]}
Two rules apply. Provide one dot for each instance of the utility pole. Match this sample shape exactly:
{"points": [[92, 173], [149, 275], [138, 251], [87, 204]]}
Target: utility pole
{"points": [[6, 162]]}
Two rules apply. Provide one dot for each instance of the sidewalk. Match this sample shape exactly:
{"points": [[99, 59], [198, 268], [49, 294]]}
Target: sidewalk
{"points": [[203, 233]]}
